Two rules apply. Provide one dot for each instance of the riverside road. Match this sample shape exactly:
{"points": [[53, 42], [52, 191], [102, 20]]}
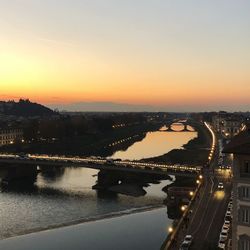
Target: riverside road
{"points": [[208, 210]]}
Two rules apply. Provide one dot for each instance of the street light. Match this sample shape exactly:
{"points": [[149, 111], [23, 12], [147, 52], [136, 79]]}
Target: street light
{"points": [[191, 193], [170, 230], [200, 176], [198, 182], [183, 208]]}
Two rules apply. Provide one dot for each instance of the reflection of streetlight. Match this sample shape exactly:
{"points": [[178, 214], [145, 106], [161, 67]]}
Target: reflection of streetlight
{"points": [[170, 230]]}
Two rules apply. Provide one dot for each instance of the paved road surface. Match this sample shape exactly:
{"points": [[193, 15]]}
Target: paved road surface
{"points": [[209, 210]]}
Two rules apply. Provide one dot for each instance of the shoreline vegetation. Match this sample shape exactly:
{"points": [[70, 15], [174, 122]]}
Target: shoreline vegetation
{"points": [[92, 144]]}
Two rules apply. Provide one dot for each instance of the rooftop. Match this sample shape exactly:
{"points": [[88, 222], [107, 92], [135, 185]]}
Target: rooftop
{"points": [[240, 144]]}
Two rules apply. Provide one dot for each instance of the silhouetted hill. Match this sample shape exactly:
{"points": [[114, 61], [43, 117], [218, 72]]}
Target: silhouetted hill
{"points": [[24, 108]]}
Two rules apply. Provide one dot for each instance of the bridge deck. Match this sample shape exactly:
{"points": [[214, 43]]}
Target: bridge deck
{"points": [[102, 163]]}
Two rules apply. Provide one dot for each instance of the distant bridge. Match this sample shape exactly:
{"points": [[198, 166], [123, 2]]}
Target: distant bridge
{"points": [[14, 164], [185, 124]]}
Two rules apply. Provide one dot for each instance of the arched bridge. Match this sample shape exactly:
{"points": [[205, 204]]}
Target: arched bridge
{"points": [[184, 123], [24, 162]]}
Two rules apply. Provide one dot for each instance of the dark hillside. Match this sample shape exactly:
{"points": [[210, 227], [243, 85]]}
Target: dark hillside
{"points": [[24, 108]]}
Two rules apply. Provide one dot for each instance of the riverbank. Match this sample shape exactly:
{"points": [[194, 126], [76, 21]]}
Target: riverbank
{"points": [[195, 152], [94, 144]]}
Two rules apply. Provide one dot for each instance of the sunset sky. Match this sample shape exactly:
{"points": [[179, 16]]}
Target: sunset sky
{"points": [[176, 54]]}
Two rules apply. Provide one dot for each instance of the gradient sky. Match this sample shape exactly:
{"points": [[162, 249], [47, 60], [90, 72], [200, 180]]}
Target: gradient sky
{"points": [[173, 53]]}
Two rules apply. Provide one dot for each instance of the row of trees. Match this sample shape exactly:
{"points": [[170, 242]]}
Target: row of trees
{"points": [[68, 126]]}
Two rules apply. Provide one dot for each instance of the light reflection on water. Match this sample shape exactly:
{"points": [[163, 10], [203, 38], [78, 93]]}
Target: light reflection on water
{"points": [[63, 199], [67, 195], [141, 231], [156, 144]]}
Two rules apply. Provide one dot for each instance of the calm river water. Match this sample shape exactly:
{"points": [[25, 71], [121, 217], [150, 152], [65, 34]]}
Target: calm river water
{"points": [[66, 197]]}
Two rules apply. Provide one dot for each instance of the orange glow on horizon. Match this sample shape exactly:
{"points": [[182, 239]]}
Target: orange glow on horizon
{"points": [[57, 74], [95, 52]]}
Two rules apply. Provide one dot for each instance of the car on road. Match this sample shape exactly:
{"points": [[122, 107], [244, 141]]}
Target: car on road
{"points": [[184, 246], [110, 162], [221, 244], [228, 215], [188, 238], [23, 156], [223, 235], [228, 218], [225, 227], [227, 222], [187, 242], [220, 186]]}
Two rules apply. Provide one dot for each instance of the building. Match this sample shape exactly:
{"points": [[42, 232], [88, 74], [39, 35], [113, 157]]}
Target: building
{"points": [[227, 125], [217, 123], [10, 136], [240, 148], [231, 127]]}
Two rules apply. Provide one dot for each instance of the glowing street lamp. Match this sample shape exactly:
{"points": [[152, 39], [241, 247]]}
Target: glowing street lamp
{"points": [[198, 181], [183, 208], [170, 230], [191, 193], [200, 177]]}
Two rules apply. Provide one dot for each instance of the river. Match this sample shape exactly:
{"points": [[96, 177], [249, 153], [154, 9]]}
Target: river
{"points": [[66, 197], [156, 144]]}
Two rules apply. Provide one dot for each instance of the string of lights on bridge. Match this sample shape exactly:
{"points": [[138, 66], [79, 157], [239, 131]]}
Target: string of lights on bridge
{"points": [[102, 161]]}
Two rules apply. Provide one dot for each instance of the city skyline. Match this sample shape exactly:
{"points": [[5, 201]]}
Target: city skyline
{"points": [[182, 56]]}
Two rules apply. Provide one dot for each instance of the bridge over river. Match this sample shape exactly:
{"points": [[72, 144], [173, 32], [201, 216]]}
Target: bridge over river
{"points": [[14, 166], [186, 126]]}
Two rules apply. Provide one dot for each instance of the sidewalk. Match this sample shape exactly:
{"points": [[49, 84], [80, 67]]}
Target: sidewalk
{"points": [[190, 218]]}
